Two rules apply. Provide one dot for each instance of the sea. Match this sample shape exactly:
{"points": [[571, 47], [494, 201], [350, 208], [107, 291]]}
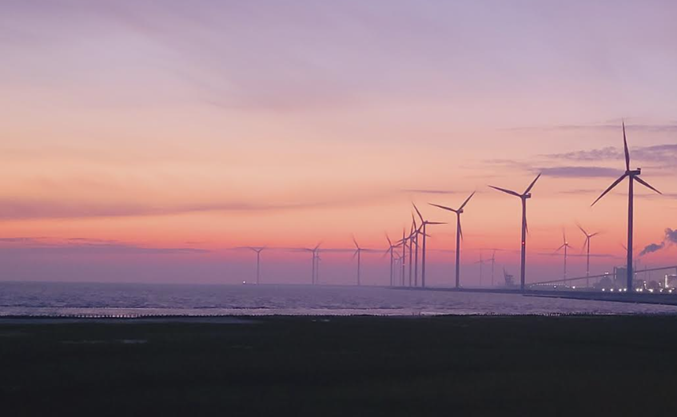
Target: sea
{"points": [[142, 300]]}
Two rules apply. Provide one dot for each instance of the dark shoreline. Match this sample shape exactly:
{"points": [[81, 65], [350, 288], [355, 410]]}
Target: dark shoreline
{"points": [[341, 366]]}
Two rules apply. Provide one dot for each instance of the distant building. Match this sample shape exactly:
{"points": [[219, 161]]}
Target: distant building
{"points": [[670, 281], [621, 279], [509, 279]]}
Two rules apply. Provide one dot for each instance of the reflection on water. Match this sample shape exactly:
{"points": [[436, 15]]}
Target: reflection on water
{"points": [[141, 299]]}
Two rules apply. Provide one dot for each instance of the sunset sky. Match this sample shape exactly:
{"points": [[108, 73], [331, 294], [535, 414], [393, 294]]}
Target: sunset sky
{"points": [[139, 142]]}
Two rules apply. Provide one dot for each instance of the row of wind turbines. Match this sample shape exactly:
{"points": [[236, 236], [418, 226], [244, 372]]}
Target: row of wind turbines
{"points": [[406, 250]]}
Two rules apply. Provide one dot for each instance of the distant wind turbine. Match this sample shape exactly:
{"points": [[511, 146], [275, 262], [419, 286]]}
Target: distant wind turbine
{"points": [[632, 175], [565, 246], [403, 257], [459, 235], [315, 264], [493, 264], [481, 263], [257, 250], [424, 224], [258, 263], [390, 251], [586, 245], [524, 197], [358, 253], [411, 248], [417, 231]]}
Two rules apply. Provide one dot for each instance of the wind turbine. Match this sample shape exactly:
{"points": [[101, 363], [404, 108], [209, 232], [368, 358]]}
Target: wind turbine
{"points": [[258, 262], [565, 246], [417, 231], [315, 264], [402, 257], [392, 256], [481, 263], [358, 253], [493, 264], [632, 175], [586, 245], [424, 224], [524, 197], [459, 235], [257, 250], [411, 248]]}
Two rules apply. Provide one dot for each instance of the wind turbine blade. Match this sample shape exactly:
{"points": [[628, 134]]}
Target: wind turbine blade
{"points": [[625, 148], [615, 183], [355, 242], [437, 223], [460, 230], [413, 219], [389, 241], [560, 248], [582, 229], [532, 184], [355, 254], [646, 184], [443, 207], [594, 234], [505, 191], [418, 212], [466, 200]]}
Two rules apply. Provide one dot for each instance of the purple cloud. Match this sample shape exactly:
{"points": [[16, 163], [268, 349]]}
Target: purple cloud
{"points": [[85, 246], [665, 154], [580, 172]]}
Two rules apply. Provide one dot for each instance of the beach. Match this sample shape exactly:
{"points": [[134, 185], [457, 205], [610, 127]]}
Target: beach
{"points": [[340, 366]]}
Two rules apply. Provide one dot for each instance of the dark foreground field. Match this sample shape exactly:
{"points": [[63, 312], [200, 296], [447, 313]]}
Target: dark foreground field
{"points": [[359, 366]]}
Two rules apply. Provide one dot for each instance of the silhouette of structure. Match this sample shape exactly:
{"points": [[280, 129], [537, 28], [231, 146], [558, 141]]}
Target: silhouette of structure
{"points": [[358, 254], [565, 246], [258, 263], [586, 246], [315, 252], [459, 235], [523, 197], [424, 225], [493, 264], [390, 251], [632, 175], [481, 264]]}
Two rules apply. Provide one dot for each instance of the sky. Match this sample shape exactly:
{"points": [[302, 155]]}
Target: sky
{"points": [[142, 140]]}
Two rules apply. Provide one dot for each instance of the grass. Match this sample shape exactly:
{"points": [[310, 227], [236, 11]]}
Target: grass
{"points": [[342, 366]]}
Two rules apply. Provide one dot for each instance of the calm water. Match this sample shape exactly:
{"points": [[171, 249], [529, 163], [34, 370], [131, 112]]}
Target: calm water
{"points": [[141, 299]]}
